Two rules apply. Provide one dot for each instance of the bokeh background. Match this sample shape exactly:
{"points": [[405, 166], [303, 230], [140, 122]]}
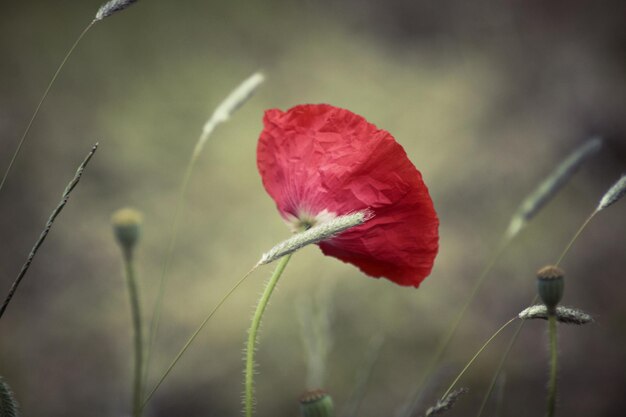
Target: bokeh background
{"points": [[486, 97]]}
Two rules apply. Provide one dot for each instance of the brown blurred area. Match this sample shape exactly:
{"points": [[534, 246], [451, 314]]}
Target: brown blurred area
{"points": [[486, 97]]}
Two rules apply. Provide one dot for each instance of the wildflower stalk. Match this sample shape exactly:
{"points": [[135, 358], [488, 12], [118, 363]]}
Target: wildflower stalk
{"points": [[64, 199], [106, 10], [445, 342], [133, 295], [476, 355], [575, 237], [553, 365], [194, 335], [221, 114], [506, 353], [126, 224], [254, 330], [610, 197], [527, 210], [41, 100], [284, 250], [503, 359]]}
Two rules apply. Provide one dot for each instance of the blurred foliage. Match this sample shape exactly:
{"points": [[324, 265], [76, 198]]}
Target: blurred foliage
{"points": [[486, 98]]}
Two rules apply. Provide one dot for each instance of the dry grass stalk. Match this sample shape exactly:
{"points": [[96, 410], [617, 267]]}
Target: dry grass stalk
{"points": [[552, 185], [315, 234], [64, 198], [446, 403], [111, 7], [566, 315], [616, 192], [8, 405]]}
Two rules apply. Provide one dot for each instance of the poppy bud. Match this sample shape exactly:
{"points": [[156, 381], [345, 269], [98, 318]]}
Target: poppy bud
{"points": [[316, 403], [127, 227], [550, 286]]}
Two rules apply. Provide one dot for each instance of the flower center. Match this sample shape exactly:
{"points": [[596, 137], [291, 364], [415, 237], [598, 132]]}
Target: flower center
{"points": [[305, 220]]}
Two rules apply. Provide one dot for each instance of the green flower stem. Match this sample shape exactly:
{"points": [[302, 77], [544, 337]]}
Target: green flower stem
{"points": [[553, 366], [135, 310], [254, 329], [521, 324]]}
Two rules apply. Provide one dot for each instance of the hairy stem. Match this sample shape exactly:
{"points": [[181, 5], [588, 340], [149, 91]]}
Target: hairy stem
{"points": [[553, 366], [135, 310], [194, 335], [253, 332], [521, 325]]}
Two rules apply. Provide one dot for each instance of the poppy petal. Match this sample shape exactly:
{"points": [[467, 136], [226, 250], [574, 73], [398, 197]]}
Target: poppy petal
{"points": [[317, 159]]}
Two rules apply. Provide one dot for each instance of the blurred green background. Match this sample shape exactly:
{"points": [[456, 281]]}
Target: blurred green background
{"points": [[486, 97]]}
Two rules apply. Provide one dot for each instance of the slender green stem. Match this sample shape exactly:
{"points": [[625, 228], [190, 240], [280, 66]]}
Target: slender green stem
{"points": [[43, 98], [575, 237], [521, 324], [445, 342], [471, 361], [553, 366], [154, 324], [254, 329], [503, 359], [135, 310], [42, 237], [194, 335]]}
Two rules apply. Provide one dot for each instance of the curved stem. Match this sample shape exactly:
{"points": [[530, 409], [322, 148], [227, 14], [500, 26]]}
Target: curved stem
{"points": [[445, 342], [43, 98], [133, 294], [503, 359], [194, 335], [521, 325], [553, 366], [576, 235], [471, 361], [254, 329], [158, 305]]}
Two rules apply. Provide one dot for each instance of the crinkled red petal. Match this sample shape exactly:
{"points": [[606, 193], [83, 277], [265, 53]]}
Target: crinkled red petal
{"points": [[319, 157]]}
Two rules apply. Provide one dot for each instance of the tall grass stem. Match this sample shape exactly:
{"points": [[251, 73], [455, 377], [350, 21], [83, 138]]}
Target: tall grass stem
{"points": [[43, 98], [414, 398], [476, 355], [221, 114], [575, 237], [253, 332], [194, 335], [64, 199]]}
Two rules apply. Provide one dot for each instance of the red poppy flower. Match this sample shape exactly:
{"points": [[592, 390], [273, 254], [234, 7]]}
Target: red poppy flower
{"points": [[318, 161]]}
